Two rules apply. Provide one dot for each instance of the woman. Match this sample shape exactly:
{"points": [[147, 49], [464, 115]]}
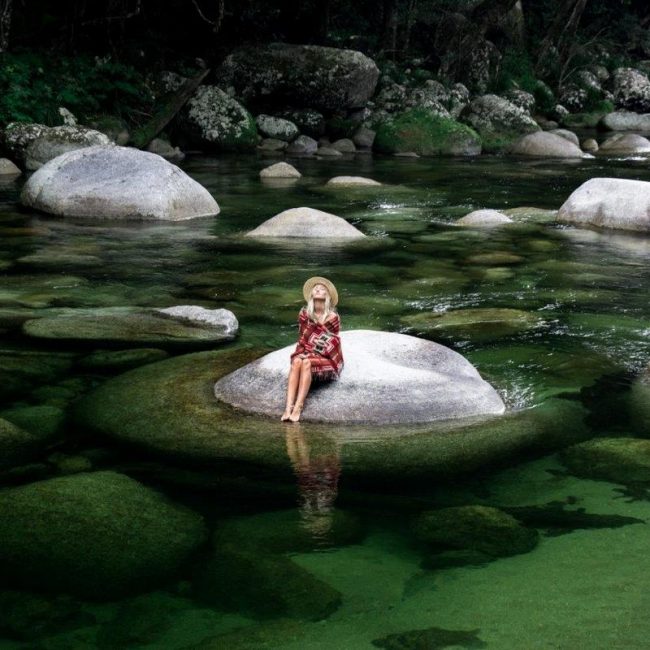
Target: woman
{"points": [[318, 353]]}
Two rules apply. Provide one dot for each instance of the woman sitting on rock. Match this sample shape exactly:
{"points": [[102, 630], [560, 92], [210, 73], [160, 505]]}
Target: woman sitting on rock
{"points": [[318, 354]]}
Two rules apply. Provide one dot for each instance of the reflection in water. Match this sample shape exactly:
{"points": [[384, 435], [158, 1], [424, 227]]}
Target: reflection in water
{"points": [[317, 476]]}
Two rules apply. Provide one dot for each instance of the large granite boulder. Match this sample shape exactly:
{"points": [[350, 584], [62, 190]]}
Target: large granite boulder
{"points": [[498, 121], [631, 90], [212, 120], [609, 203], [626, 121], [97, 535], [306, 222], [58, 140], [625, 144], [307, 76], [182, 325], [387, 378], [545, 144], [115, 182]]}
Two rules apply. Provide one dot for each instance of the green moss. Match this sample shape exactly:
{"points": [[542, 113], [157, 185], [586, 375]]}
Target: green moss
{"points": [[425, 133], [340, 127]]}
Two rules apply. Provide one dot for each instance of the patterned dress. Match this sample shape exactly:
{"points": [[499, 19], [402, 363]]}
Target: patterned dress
{"points": [[321, 343]]}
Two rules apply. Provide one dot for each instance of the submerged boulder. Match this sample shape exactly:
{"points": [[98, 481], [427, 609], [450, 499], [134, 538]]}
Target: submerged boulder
{"points": [[280, 170], [387, 378], [107, 183], [351, 181], [625, 144], [609, 203], [97, 535], [18, 445], [308, 76], [306, 222], [483, 219], [545, 143]]}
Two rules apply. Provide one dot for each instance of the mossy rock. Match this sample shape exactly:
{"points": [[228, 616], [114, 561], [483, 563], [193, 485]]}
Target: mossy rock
{"points": [[427, 134], [18, 445], [120, 360], [42, 420], [431, 638], [263, 586], [479, 528], [98, 535], [21, 370], [620, 460]]}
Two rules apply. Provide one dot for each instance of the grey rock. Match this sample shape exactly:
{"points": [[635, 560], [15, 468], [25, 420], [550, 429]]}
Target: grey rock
{"points": [[328, 152], [349, 181], [280, 170], [164, 148], [590, 145], [306, 222], [626, 121], [344, 145], [521, 99], [276, 127], [484, 219], [609, 203], [105, 182], [308, 121], [625, 144], [7, 168], [364, 137], [631, 90], [545, 143], [272, 145], [303, 145], [567, 135], [58, 140], [17, 136], [387, 378]]}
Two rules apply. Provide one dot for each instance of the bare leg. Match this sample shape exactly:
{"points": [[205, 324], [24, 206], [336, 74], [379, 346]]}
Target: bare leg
{"points": [[303, 389], [292, 387]]}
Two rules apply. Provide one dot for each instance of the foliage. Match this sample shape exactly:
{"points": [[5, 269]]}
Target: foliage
{"points": [[516, 71], [33, 85]]}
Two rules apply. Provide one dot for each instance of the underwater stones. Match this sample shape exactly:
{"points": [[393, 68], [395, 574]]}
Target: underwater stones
{"points": [[479, 528], [609, 203], [306, 222], [478, 323], [483, 219], [625, 144], [272, 146], [181, 325], [21, 370], [496, 258], [307, 76], [348, 181], [120, 360], [545, 143], [620, 460], [18, 445], [286, 531], [42, 421], [430, 638], [264, 586], [97, 535], [418, 381], [280, 170], [106, 183], [276, 127]]}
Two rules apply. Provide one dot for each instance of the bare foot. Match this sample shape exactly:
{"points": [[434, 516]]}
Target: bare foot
{"points": [[286, 414], [295, 413]]}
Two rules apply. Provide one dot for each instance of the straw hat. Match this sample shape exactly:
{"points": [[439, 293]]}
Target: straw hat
{"points": [[312, 282]]}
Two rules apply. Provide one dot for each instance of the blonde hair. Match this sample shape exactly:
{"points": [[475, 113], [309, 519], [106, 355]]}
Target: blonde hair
{"points": [[327, 308]]}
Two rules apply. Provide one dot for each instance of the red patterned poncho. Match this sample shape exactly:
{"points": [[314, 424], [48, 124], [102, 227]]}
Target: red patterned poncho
{"points": [[321, 344]]}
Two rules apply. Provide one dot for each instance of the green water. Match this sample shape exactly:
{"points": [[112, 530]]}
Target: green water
{"points": [[564, 365]]}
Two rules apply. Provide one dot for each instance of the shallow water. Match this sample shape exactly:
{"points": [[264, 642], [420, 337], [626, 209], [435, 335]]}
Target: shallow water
{"points": [[582, 340]]}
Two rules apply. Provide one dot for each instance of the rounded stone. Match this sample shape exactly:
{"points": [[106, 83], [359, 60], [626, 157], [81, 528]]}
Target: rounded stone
{"points": [[609, 203], [484, 219], [280, 170], [97, 535], [567, 135], [347, 181], [276, 127], [387, 378], [7, 168], [625, 144], [303, 145], [545, 143], [626, 121], [328, 152], [106, 183], [590, 145], [306, 222]]}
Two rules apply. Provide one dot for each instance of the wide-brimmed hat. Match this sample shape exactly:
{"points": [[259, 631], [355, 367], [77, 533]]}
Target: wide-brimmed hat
{"points": [[312, 282]]}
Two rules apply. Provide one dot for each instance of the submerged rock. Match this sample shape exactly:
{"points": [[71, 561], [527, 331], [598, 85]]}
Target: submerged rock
{"points": [[97, 535], [348, 181], [107, 183], [120, 360], [545, 143], [418, 381], [609, 203], [18, 445], [180, 325], [306, 222], [432, 638], [625, 144], [483, 219], [280, 170]]}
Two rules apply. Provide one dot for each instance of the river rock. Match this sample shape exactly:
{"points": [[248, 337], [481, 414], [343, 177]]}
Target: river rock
{"points": [[545, 143], [303, 145], [308, 76], [97, 535], [7, 168], [280, 170], [306, 222], [271, 145], [631, 90], [120, 360], [107, 183], [627, 144], [418, 381], [212, 120], [364, 137], [626, 121], [344, 145], [620, 460], [58, 140], [498, 121], [479, 528], [17, 136], [328, 152], [182, 325], [484, 219], [308, 121], [609, 203], [568, 135], [590, 145], [164, 148], [351, 181], [276, 127], [18, 446]]}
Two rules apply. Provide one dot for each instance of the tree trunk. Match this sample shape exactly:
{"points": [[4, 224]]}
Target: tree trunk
{"points": [[6, 8]]}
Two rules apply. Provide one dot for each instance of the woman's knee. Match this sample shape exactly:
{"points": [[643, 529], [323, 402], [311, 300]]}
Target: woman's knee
{"points": [[296, 363], [306, 364]]}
